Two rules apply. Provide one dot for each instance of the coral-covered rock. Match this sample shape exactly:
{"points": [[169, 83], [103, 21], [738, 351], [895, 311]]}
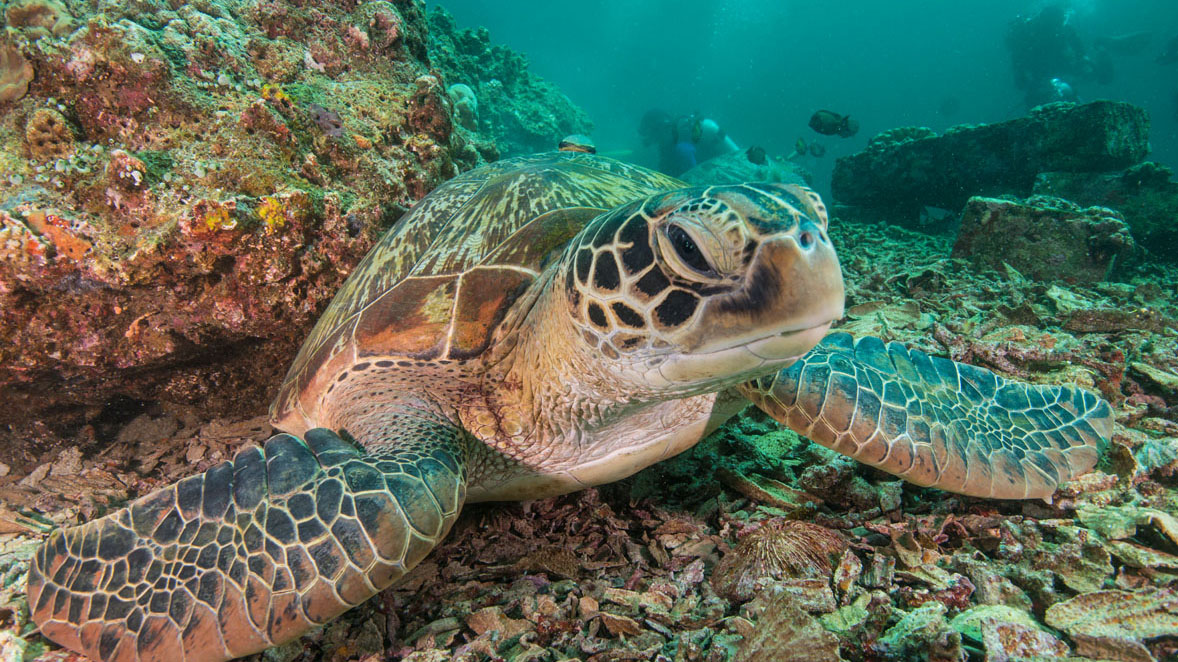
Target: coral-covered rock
{"points": [[922, 634], [173, 222], [512, 108], [15, 73], [903, 171], [971, 621], [1081, 560], [1114, 624], [1012, 641], [1008, 634], [466, 105], [1043, 238], [1145, 194], [783, 632], [991, 588], [48, 136], [39, 18]]}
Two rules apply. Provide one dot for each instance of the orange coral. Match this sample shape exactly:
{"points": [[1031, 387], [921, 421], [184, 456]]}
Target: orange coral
{"points": [[779, 549], [61, 232], [218, 219], [20, 244]]}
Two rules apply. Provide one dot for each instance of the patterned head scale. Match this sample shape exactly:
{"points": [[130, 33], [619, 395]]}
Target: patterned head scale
{"points": [[706, 284]]}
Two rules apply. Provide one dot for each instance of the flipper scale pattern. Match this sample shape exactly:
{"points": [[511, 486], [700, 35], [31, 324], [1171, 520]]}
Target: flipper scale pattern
{"points": [[253, 552], [935, 422]]}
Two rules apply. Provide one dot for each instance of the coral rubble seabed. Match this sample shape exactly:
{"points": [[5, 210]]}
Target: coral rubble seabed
{"points": [[182, 194]]}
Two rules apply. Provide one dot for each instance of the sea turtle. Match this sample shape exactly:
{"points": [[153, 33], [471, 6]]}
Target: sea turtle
{"points": [[533, 327]]}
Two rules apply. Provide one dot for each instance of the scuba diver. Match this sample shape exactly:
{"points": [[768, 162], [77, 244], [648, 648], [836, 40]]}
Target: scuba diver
{"points": [[1047, 57], [684, 141], [1051, 91]]}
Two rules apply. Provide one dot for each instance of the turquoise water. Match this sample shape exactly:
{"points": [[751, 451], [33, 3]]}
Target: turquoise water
{"points": [[761, 67]]}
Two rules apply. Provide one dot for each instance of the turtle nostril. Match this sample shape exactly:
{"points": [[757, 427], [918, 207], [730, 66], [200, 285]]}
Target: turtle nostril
{"points": [[806, 239]]}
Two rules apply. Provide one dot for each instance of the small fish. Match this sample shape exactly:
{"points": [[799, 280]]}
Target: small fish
{"points": [[800, 146], [830, 123], [757, 155], [817, 150]]}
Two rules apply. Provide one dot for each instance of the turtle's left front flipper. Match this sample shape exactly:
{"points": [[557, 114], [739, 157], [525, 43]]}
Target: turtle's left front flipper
{"points": [[935, 422], [254, 552]]}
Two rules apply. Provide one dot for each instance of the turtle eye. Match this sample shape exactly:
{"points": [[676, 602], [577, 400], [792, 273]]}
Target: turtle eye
{"points": [[688, 251]]}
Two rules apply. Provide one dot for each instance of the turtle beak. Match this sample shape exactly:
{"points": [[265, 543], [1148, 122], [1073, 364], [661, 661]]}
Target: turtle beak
{"points": [[793, 283]]}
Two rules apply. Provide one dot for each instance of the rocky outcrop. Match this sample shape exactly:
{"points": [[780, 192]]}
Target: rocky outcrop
{"points": [[904, 170], [1145, 194], [1043, 238], [497, 97], [184, 186]]}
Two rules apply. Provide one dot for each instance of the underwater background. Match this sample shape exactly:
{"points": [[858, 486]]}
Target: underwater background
{"points": [[761, 67], [184, 186]]}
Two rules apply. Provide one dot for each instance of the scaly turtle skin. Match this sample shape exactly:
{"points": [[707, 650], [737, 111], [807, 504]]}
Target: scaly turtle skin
{"points": [[531, 328]]}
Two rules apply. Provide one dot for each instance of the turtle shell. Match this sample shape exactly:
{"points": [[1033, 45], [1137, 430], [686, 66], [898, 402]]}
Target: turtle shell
{"points": [[439, 282]]}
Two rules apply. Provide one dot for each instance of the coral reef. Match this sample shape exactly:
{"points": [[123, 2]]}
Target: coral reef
{"points": [[1043, 238], [182, 195], [904, 170], [515, 111]]}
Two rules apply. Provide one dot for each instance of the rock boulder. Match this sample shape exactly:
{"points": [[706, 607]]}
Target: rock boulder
{"points": [[1145, 194], [904, 170], [1043, 238]]}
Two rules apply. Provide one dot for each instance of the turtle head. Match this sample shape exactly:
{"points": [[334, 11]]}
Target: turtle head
{"points": [[702, 287]]}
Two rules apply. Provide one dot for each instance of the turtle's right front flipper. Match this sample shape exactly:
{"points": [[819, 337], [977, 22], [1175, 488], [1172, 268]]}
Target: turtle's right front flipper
{"points": [[253, 552]]}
